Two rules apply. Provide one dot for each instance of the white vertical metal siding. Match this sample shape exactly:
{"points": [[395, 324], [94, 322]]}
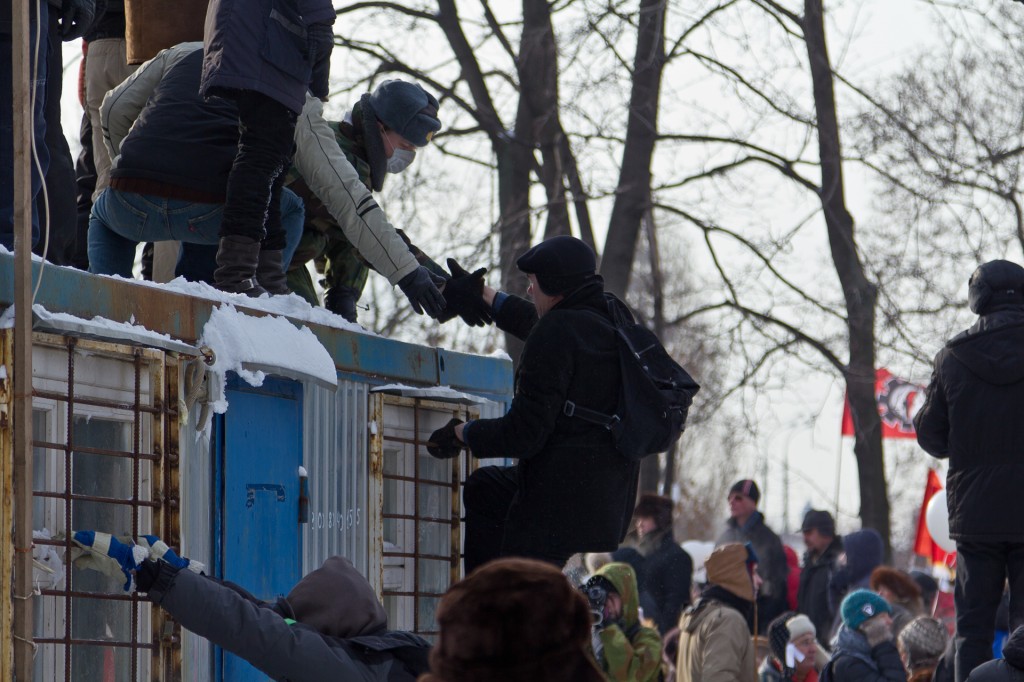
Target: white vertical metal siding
{"points": [[335, 454], [197, 495]]}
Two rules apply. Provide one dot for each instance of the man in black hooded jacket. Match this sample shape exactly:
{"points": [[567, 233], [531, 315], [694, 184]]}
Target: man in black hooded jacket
{"points": [[972, 416], [329, 627]]}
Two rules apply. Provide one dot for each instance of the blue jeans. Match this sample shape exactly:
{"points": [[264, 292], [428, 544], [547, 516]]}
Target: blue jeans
{"points": [[7, 121], [120, 221]]}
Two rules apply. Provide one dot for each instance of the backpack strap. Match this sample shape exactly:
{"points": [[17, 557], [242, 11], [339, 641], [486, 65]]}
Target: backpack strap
{"points": [[571, 409]]}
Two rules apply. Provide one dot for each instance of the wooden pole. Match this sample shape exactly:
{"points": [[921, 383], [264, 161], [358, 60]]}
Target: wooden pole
{"points": [[22, 413]]}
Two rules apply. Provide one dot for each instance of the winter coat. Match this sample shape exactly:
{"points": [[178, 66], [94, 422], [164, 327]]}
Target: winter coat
{"points": [[156, 126], [630, 652], [666, 579], [771, 561], [575, 491], [971, 416], [793, 578], [714, 644], [1009, 668], [330, 181], [261, 45], [854, 660], [812, 596], [259, 633]]}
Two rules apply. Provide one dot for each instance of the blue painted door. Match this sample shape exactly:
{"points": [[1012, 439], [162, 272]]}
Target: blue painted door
{"points": [[260, 450]]}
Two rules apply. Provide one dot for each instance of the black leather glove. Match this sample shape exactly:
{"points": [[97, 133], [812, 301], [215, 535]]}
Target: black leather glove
{"points": [[320, 44], [147, 574], [464, 296], [76, 17], [443, 443], [422, 292]]}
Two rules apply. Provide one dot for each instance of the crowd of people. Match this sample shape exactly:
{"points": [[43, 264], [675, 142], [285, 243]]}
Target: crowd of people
{"points": [[277, 179]]}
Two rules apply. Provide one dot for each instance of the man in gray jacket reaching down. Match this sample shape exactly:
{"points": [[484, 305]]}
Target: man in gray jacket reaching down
{"points": [[330, 626]]}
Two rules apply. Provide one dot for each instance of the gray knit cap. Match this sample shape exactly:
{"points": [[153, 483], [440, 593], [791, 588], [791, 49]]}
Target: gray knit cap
{"points": [[922, 641]]}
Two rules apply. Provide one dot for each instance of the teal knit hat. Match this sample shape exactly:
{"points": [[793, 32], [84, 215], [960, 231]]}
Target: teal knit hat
{"points": [[862, 605]]}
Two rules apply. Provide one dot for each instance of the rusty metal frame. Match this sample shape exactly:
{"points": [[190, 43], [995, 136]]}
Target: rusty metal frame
{"points": [[160, 407], [460, 468]]}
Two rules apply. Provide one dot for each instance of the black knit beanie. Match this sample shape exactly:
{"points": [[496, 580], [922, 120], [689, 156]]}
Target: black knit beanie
{"points": [[560, 264]]}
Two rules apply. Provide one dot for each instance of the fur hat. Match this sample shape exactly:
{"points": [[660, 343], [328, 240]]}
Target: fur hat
{"points": [[727, 568], [899, 583], [513, 619], [407, 109], [655, 507], [800, 625], [861, 605], [748, 488], [336, 600], [922, 641], [560, 264]]}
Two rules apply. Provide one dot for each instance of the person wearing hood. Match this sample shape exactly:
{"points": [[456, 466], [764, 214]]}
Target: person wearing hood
{"points": [[626, 650], [714, 634], [509, 621], [571, 490], [329, 627], [795, 652], [746, 524], [863, 552], [667, 568], [1010, 667], [971, 416], [863, 650]]}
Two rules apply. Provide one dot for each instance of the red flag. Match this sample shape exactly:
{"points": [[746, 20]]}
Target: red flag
{"points": [[923, 543], [898, 401]]}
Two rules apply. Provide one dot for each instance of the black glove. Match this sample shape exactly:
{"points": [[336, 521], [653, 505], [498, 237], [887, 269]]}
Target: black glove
{"points": [[443, 443], [76, 17], [146, 575], [320, 44], [422, 292], [464, 296]]}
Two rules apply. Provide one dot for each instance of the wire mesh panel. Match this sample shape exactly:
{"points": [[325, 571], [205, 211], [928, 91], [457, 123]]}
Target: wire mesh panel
{"points": [[421, 512], [104, 458]]}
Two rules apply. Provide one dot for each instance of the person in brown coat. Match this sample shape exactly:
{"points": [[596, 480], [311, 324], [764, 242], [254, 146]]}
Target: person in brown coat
{"points": [[513, 620]]}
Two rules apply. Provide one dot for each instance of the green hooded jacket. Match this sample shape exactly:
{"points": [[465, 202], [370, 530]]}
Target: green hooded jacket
{"points": [[636, 656]]}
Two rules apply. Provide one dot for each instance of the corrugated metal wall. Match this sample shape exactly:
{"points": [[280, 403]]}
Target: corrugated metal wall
{"points": [[197, 494], [335, 455]]}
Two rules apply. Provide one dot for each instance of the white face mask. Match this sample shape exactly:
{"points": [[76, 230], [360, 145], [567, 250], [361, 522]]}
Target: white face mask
{"points": [[400, 160]]}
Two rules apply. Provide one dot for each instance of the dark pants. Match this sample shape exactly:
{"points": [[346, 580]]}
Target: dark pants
{"points": [[7, 125], [982, 569], [60, 206], [487, 497], [266, 132], [85, 180]]}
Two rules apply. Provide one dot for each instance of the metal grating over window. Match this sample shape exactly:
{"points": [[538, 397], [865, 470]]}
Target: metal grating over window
{"points": [[105, 458], [422, 509]]}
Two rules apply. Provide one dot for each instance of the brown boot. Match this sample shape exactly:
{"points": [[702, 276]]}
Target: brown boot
{"points": [[237, 259], [270, 272]]}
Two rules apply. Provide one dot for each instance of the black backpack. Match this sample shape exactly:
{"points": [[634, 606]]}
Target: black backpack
{"points": [[654, 396]]}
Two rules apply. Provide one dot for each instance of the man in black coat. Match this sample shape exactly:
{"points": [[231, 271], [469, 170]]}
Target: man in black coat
{"points": [[823, 549], [972, 416], [571, 490], [667, 568]]}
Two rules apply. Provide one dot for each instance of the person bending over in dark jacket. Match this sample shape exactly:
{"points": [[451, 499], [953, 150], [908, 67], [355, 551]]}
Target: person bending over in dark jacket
{"points": [[864, 650], [330, 626], [571, 491], [971, 416]]}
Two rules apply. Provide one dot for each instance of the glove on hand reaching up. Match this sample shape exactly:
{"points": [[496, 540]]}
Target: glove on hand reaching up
{"points": [[422, 292], [464, 296], [107, 554], [443, 443], [76, 17]]}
